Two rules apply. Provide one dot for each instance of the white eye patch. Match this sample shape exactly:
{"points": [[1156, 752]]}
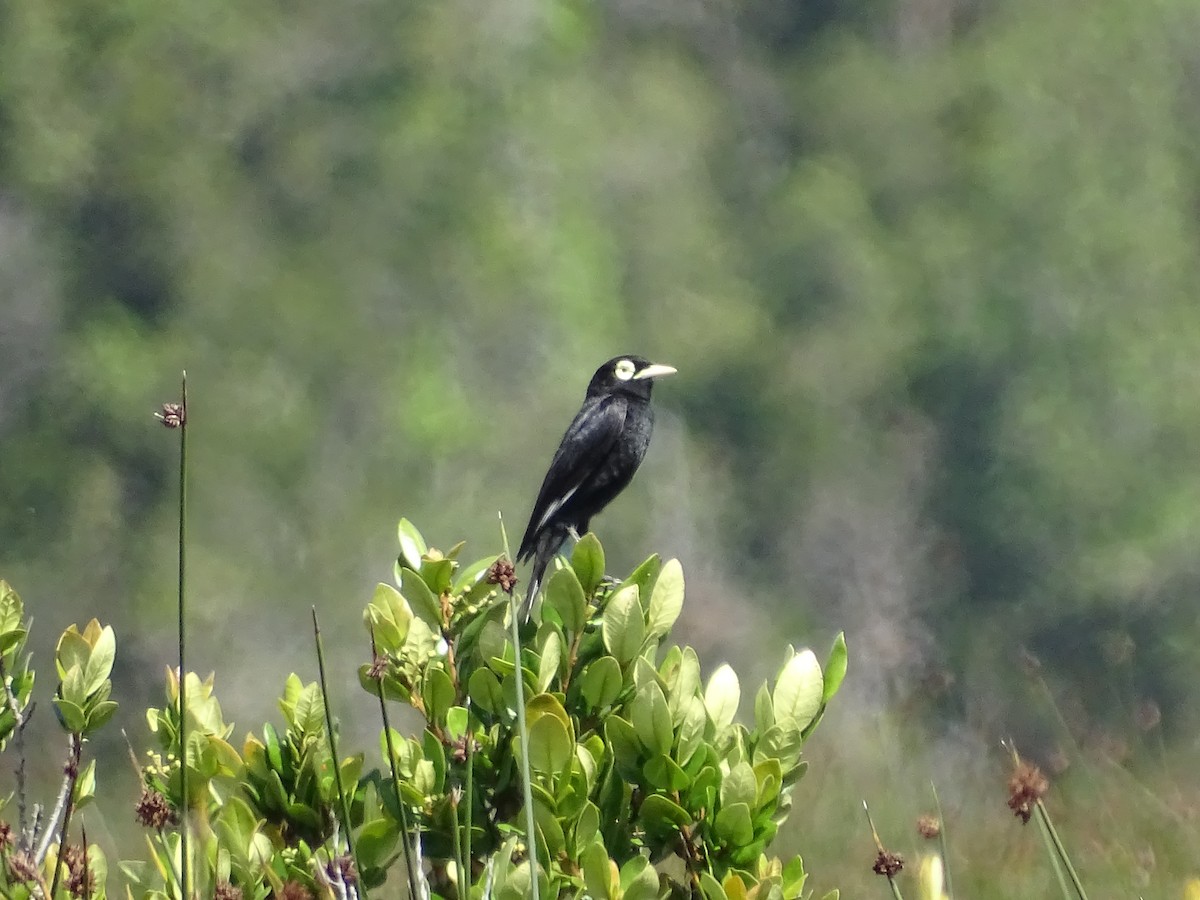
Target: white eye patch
{"points": [[624, 370]]}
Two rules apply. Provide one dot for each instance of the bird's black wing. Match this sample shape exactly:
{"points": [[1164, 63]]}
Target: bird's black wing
{"points": [[583, 450]]}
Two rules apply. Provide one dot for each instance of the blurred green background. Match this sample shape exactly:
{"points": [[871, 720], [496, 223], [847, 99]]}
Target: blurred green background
{"points": [[927, 269]]}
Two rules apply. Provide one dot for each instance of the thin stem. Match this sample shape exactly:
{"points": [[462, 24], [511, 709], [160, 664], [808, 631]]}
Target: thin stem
{"points": [[183, 720], [464, 877], [937, 803], [530, 823], [72, 777], [470, 795], [337, 769], [10, 700], [87, 880], [60, 805], [391, 750], [879, 847], [1059, 849]]}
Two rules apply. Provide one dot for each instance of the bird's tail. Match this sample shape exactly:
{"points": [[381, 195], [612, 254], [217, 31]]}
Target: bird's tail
{"points": [[546, 546]]}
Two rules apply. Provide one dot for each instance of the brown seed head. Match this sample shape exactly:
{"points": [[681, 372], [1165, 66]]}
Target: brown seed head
{"points": [[6, 835], [888, 863], [503, 574], [378, 668], [1025, 788], [80, 881], [153, 810], [22, 866], [929, 826], [294, 890], [173, 415], [226, 891]]}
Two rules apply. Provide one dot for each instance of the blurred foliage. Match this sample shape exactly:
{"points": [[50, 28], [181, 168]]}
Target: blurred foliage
{"points": [[926, 269]]}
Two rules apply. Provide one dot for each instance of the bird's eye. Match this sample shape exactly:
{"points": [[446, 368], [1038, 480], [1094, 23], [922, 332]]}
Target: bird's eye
{"points": [[624, 370]]}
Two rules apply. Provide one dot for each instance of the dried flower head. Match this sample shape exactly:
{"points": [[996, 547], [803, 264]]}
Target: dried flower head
{"points": [[378, 668], [929, 826], [888, 863], [503, 574], [1025, 788], [226, 891], [154, 810], [173, 415], [6, 835], [80, 881], [294, 890], [22, 866]]}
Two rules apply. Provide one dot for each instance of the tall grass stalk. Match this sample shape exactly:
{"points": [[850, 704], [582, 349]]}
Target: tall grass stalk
{"points": [[337, 769], [184, 823], [530, 822], [881, 851], [937, 804], [405, 828]]}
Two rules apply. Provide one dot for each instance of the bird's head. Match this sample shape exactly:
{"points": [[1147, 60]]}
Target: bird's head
{"points": [[627, 374]]}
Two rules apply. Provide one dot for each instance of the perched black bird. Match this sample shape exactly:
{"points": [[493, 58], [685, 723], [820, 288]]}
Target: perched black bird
{"points": [[595, 461]]}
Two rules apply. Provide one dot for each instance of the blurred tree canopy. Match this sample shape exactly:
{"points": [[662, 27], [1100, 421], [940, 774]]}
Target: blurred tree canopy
{"points": [[926, 267]]}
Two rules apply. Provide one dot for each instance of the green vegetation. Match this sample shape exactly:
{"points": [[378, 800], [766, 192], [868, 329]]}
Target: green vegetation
{"points": [[636, 760]]}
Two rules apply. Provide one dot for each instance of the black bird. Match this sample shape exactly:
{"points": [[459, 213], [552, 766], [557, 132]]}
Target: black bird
{"points": [[595, 460]]}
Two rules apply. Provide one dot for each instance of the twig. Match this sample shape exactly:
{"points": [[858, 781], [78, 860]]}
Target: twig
{"points": [[10, 700], [72, 777], [337, 769], [60, 803], [937, 803]]}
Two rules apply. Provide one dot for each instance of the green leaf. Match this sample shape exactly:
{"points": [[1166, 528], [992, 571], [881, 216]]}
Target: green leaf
{"points": [[734, 826], [652, 720], [412, 545], [711, 887], [388, 616], [587, 560], [739, 786], [835, 667], [662, 814], [794, 878], [438, 693], [626, 749], [422, 600], [375, 842], [623, 626], [484, 689], [601, 682], [644, 575], [639, 881], [70, 715], [565, 596], [72, 652], [98, 715], [782, 742], [764, 710], [665, 774], [598, 872], [722, 696], [456, 722], [549, 661], [100, 661], [587, 826], [798, 690], [686, 685], [437, 574], [550, 746], [666, 600], [691, 731]]}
